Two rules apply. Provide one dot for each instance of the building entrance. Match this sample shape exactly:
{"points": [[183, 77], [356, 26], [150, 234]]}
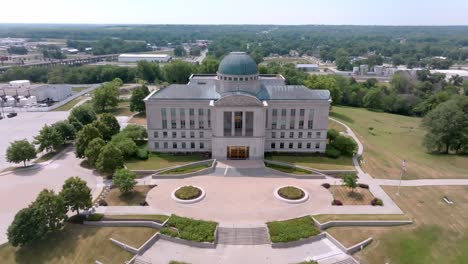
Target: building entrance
{"points": [[237, 152]]}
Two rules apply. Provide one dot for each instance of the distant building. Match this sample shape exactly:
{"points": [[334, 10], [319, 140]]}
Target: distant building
{"points": [[451, 73], [363, 69], [144, 57], [308, 67], [237, 114]]}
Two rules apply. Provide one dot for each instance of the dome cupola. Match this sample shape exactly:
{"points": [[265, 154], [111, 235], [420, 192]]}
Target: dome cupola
{"points": [[237, 63]]}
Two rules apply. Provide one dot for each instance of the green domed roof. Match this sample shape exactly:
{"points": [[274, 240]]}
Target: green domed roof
{"points": [[238, 63]]}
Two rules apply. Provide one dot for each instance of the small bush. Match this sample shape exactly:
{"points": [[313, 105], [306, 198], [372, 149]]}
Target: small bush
{"points": [[76, 219], [102, 203], [188, 193], [337, 203], [144, 203], [332, 152], [291, 193], [142, 154], [377, 202], [363, 185], [326, 185], [95, 217], [190, 229]]}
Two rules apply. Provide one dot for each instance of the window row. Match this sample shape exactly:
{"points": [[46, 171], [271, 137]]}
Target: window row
{"points": [[242, 79], [292, 145], [183, 134], [178, 145], [292, 134], [279, 121], [182, 120]]}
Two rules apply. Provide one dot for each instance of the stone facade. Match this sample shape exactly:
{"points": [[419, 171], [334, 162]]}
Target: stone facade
{"points": [[237, 116]]}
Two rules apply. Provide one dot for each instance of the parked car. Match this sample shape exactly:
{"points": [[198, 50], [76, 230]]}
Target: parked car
{"points": [[10, 115]]}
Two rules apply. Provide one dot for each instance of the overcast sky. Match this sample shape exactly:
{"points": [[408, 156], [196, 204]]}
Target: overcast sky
{"points": [[353, 12]]}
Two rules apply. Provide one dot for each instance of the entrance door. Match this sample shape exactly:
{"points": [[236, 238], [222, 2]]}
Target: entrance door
{"points": [[237, 152]]}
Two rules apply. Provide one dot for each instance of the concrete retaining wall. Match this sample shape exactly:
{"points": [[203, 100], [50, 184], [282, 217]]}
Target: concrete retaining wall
{"points": [[124, 246], [323, 226], [188, 242], [211, 162], [142, 223], [315, 174], [298, 242], [336, 173], [359, 246]]}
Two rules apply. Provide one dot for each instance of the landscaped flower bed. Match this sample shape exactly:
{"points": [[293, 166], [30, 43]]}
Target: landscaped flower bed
{"points": [[188, 193], [291, 193], [190, 229], [292, 230]]}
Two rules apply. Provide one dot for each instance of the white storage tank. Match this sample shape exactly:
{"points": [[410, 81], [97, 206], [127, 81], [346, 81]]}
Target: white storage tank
{"points": [[23, 102]]}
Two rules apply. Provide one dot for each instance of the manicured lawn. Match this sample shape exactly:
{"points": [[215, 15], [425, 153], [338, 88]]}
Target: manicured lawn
{"points": [[287, 169], [156, 218], [360, 196], [69, 105], [350, 217], [188, 193], [319, 162], [188, 169], [292, 230], [78, 244], [190, 229], [291, 192], [116, 198], [388, 139], [122, 109], [334, 125], [439, 233], [158, 161]]}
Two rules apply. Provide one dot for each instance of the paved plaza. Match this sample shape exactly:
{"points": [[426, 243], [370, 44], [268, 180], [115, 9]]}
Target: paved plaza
{"points": [[25, 125]]}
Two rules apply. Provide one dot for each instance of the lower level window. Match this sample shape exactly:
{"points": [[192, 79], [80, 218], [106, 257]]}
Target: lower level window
{"points": [[309, 145], [202, 145], [273, 145], [184, 145], [192, 145], [299, 145], [165, 145], [281, 145], [156, 145], [317, 145], [291, 145], [174, 145]]}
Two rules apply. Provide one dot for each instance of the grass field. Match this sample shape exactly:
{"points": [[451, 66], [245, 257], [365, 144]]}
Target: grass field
{"points": [[388, 139], [354, 217], [78, 244], [157, 161], [314, 161], [116, 198], [69, 105], [439, 233], [122, 109], [360, 196], [334, 125]]}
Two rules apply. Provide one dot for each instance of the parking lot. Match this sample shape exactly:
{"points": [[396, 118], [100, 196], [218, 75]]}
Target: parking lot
{"points": [[25, 125]]}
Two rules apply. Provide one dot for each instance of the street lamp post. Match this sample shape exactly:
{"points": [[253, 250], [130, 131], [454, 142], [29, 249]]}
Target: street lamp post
{"points": [[403, 170]]}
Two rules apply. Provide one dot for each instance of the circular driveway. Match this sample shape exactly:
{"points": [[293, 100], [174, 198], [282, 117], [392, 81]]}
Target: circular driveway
{"points": [[239, 200]]}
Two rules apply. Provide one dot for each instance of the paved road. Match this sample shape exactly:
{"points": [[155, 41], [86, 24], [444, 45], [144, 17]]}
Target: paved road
{"points": [[19, 188], [24, 126]]}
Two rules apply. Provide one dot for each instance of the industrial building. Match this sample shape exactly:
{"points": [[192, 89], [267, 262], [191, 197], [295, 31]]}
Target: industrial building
{"points": [[17, 90], [144, 57], [237, 114], [308, 67]]}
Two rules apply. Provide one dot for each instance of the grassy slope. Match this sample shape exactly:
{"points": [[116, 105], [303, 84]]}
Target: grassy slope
{"points": [[314, 161], [69, 105], [157, 161], [188, 169], [438, 235], [395, 138], [78, 244]]}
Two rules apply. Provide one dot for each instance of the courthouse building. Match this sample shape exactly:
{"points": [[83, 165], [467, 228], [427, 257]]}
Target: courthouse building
{"points": [[237, 114]]}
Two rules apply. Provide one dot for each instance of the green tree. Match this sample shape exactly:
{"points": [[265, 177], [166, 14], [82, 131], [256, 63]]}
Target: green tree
{"points": [[51, 208], [86, 135], [325, 82], [93, 150], [20, 151], [209, 65], [111, 122], [124, 180], [447, 126], [109, 159], [178, 71], [125, 144], [134, 132], [49, 139], [401, 83], [179, 51], [76, 194], [66, 129], [374, 99], [342, 60], [332, 134], [27, 226], [105, 97], [149, 71], [83, 114], [345, 145], [350, 181], [136, 100]]}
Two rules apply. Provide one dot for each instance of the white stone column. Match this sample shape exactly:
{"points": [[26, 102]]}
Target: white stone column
{"points": [[243, 123], [232, 123]]}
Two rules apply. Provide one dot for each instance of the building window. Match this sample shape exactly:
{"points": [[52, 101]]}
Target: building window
{"points": [[273, 145], [281, 145], [291, 134], [273, 134], [192, 118], [165, 134], [173, 124], [156, 145], [165, 145], [184, 145], [282, 135], [192, 134], [201, 134], [292, 121], [299, 135], [317, 145], [174, 145], [173, 118], [301, 112], [182, 134], [182, 118], [192, 124], [283, 118], [192, 145], [319, 134], [299, 145], [274, 118], [156, 134], [309, 145], [238, 116], [301, 118], [202, 145], [201, 123], [301, 124], [266, 118], [209, 118], [230, 78], [174, 134], [227, 123], [164, 118], [310, 123], [309, 134], [291, 145], [182, 124]]}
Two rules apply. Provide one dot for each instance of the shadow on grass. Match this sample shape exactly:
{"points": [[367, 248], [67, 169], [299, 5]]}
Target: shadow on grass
{"points": [[342, 117]]}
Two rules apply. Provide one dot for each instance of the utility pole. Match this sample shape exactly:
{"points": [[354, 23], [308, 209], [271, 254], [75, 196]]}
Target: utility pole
{"points": [[403, 170]]}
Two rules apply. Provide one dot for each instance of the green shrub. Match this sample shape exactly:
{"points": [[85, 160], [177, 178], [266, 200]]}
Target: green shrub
{"points": [[332, 152], [95, 217], [291, 193], [190, 229], [188, 192], [142, 154], [292, 230], [377, 202]]}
